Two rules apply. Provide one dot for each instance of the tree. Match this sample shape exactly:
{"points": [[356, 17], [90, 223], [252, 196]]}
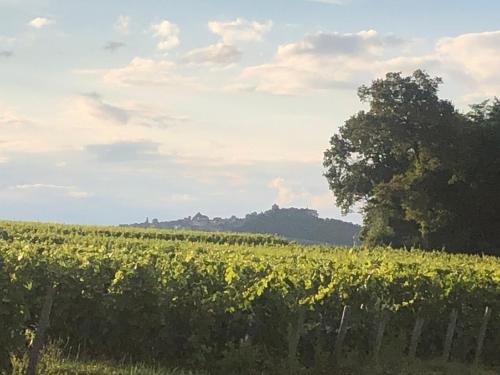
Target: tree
{"points": [[410, 160], [482, 200]]}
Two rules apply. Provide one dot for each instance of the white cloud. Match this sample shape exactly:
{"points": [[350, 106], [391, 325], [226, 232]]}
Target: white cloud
{"points": [[285, 195], [43, 186], [79, 194], [219, 53], [94, 106], [40, 22], [362, 43], [339, 60], [468, 61], [19, 132], [320, 61], [322, 201], [122, 24], [167, 33], [477, 53], [10, 118], [289, 79], [143, 72], [125, 151], [69, 191], [240, 30], [475, 58]]}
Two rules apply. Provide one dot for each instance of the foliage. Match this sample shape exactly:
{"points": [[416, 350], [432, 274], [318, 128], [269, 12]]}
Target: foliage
{"points": [[300, 224], [424, 172], [122, 292], [58, 234]]}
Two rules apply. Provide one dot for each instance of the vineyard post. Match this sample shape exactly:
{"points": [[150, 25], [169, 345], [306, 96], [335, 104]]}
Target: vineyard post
{"points": [[415, 337], [448, 340], [294, 334], [384, 318], [482, 334], [43, 325], [339, 342]]}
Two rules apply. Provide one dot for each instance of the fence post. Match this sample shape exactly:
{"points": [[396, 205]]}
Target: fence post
{"points": [[384, 318], [43, 324], [339, 341], [415, 337], [482, 334], [294, 334], [448, 340]]}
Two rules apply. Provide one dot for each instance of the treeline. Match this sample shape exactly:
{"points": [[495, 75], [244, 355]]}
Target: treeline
{"points": [[300, 224], [426, 174]]}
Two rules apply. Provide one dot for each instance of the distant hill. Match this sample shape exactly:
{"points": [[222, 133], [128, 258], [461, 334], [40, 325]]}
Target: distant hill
{"points": [[299, 224]]}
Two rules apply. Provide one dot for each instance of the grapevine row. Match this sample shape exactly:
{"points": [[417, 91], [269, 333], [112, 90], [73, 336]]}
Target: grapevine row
{"points": [[193, 302]]}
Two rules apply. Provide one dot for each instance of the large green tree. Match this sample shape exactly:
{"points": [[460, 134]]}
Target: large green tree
{"points": [[481, 203], [423, 172]]}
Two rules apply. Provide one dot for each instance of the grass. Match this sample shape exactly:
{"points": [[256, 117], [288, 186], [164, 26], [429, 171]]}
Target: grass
{"points": [[54, 362], [72, 367], [436, 367]]}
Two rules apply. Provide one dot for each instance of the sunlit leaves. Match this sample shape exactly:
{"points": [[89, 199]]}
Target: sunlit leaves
{"points": [[150, 293]]}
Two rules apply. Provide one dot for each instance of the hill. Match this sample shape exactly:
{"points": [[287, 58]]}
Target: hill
{"points": [[300, 224]]}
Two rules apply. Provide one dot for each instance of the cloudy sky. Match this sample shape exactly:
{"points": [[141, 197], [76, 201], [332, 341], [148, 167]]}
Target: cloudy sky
{"points": [[111, 111]]}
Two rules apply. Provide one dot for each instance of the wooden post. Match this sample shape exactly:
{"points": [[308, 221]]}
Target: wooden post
{"points": [[339, 342], [384, 318], [482, 334], [43, 324], [448, 340], [415, 337], [294, 334]]}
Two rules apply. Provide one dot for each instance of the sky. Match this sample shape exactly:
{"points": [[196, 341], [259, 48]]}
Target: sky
{"points": [[111, 111]]}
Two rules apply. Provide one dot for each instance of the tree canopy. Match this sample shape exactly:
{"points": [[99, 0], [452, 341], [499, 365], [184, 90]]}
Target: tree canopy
{"points": [[424, 173]]}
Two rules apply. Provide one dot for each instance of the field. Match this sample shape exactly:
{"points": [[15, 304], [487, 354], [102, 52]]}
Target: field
{"points": [[236, 303]]}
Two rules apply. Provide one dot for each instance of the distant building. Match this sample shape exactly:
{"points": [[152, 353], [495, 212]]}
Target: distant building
{"points": [[200, 220]]}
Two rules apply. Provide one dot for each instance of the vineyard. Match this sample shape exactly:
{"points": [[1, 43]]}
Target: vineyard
{"points": [[233, 301]]}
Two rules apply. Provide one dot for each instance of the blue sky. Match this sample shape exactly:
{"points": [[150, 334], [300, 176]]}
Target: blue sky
{"points": [[111, 111]]}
